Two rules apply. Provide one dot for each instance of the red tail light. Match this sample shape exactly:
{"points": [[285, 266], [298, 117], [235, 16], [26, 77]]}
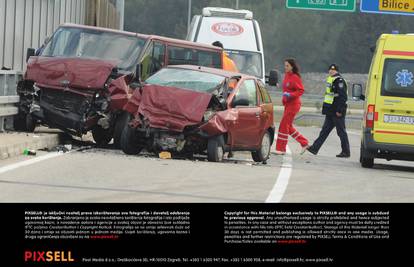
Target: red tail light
{"points": [[371, 116]]}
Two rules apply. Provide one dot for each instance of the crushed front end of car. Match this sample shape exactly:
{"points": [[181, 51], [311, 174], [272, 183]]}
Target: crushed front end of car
{"points": [[178, 120], [79, 82], [75, 95]]}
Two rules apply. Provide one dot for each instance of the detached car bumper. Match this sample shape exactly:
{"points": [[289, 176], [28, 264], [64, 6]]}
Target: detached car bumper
{"points": [[386, 150]]}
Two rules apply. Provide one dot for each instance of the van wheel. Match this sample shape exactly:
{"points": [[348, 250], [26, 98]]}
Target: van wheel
{"points": [[101, 136], [30, 123], [24, 122], [120, 123], [129, 140], [215, 149], [19, 123], [263, 153], [366, 162]]}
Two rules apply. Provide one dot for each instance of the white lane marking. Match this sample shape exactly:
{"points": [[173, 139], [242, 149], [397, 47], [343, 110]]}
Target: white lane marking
{"points": [[278, 190], [29, 162]]}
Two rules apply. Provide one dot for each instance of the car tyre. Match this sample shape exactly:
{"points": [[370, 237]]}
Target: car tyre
{"points": [[19, 122], [262, 154], [24, 122], [129, 140], [215, 149], [366, 162], [120, 123], [101, 136], [30, 123]]}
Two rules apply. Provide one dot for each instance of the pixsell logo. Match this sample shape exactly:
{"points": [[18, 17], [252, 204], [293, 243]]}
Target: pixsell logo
{"points": [[227, 28], [48, 256]]}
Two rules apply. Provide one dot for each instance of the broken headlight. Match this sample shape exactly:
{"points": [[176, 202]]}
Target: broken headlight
{"points": [[208, 115], [36, 88]]}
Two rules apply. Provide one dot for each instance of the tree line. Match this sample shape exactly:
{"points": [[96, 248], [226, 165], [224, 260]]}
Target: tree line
{"points": [[314, 38]]}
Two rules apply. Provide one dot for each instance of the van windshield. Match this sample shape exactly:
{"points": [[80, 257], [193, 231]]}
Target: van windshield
{"points": [[247, 62], [95, 44], [398, 78]]}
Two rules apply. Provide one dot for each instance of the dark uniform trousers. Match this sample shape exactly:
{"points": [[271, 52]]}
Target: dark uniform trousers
{"points": [[332, 121]]}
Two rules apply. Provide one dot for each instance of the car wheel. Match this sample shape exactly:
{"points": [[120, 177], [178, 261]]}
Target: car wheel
{"points": [[120, 123], [366, 162], [30, 123], [263, 153], [24, 122], [101, 136], [19, 122], [129, 140], [215, 150]]}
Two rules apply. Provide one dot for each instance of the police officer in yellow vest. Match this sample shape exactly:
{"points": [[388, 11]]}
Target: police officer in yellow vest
{"points": [[334, 109]]}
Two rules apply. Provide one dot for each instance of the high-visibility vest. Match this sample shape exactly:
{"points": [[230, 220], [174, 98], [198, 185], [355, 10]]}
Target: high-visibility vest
{"points": [[228, 63], [329, 93]]}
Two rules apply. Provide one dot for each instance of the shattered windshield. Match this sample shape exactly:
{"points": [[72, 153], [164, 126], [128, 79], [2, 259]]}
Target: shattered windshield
{"points": [[247, 62], [94, 44], [187, 79]]}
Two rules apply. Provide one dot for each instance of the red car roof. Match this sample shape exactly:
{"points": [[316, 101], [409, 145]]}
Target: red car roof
{"points": [[144, 36]]}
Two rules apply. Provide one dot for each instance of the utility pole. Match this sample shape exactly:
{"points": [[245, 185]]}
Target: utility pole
{"points": [[237, 4]]}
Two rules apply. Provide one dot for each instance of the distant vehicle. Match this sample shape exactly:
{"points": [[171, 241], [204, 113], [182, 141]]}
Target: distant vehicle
{"points": [[238, 32], [83, 76], [188, 109], [388, 129]]}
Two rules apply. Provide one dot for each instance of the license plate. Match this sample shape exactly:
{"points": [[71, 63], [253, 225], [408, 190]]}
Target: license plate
{"points": [[398, 119]]}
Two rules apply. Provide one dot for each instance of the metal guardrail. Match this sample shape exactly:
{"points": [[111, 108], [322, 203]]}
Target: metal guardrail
{"points": [[311, 100], [352, 121], [8, 97]]}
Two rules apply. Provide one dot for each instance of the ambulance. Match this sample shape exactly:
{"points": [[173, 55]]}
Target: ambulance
{"points": [[388, 125], [238, 32]]}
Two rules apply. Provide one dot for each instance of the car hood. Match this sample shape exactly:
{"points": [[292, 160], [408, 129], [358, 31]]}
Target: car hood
{"points": [[58, 72], [171, 108]]}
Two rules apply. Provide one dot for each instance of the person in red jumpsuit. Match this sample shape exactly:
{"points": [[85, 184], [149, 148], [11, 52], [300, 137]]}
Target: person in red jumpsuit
{"points": [[292, 90]]}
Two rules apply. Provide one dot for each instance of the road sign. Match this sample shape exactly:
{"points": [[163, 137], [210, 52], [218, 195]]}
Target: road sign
{"points": [[396, 7], [329, 5]]}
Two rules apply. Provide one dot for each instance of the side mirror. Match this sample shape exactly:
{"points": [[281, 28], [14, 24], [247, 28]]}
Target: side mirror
{"points": [[30, 52], [240, 102], [273, 78], [357, 92]]}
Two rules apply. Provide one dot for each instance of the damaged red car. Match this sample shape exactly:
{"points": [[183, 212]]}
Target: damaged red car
{"points": [[82, 77], [199, 110]]}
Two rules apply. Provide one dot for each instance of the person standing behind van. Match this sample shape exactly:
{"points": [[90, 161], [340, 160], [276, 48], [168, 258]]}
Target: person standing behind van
{"points": [[228, 63], [292, 91], [334, 109]]}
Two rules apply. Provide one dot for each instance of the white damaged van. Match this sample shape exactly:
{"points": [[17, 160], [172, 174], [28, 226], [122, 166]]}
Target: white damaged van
{"points": [[237, 31]]}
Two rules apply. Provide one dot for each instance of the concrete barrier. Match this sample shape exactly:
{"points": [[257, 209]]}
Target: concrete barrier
{"points": [[13, 144], [311, 116]]}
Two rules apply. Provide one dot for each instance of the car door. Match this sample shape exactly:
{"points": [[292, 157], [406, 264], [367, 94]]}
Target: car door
{"points": [[266, 107], [245, 132], [153, 59]]}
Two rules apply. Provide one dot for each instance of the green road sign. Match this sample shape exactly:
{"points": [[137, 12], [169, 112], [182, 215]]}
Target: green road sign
{"points": [[329, 5]]}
